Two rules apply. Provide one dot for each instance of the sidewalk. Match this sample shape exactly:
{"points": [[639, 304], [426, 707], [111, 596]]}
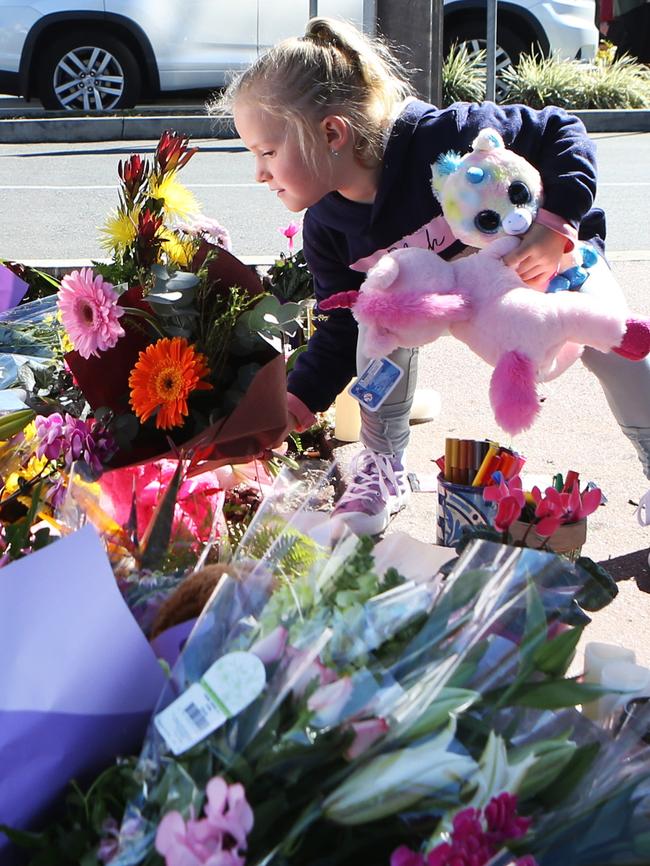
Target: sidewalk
{"points": [[24, 122]]}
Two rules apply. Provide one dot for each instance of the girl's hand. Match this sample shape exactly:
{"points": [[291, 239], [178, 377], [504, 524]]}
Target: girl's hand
{"points": [[537, 257]]}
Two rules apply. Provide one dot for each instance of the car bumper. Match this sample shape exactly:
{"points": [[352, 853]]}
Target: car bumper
{"points": [[570, 28]]}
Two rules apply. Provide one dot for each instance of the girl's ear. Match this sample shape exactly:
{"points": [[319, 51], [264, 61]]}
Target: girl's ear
{"points": [[336, 131]]}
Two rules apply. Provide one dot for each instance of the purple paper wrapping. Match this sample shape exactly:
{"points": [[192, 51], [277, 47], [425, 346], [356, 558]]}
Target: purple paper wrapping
{"points": [[12, 289], [78, 679]]}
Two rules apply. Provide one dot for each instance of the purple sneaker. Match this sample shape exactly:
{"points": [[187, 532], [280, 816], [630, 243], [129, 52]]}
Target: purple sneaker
{"points": [[378, 489]]}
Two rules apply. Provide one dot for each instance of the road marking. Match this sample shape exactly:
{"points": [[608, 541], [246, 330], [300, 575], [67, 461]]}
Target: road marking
{"points": [[115, 186], [628, 255]]}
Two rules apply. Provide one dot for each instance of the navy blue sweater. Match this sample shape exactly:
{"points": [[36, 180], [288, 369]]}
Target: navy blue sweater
{"points": [[343, 238]]}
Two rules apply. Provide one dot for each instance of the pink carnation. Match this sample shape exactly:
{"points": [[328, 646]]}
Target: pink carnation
{"points": [[90, 313]]}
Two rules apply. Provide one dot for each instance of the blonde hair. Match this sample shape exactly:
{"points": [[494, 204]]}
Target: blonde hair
{"points": [[332, 69]]}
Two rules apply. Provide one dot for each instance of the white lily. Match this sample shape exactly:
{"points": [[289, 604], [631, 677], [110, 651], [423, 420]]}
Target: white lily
{"points": [[395, 781]]}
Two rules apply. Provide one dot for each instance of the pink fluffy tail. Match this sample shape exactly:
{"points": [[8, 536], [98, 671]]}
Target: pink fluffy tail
{"points": [[341, 300], [513, 392], [635, 344]]}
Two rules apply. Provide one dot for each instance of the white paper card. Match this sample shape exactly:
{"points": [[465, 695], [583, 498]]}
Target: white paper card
{"points": [[227, 687]]}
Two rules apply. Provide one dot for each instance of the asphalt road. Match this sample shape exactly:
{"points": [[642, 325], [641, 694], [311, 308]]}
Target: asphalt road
{"points": [[54, 198]]}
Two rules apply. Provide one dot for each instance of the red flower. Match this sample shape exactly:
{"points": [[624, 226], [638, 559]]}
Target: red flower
{"points": [[132, 173], [148, 242], [172, 152], [507, 512], [511, 499], [502, 819]]}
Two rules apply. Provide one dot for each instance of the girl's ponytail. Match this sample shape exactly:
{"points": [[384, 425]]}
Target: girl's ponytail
{"points": [[332, 69]]}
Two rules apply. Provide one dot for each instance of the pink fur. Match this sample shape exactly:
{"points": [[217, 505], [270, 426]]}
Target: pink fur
{"points": [[528, 336], [512, 392]]}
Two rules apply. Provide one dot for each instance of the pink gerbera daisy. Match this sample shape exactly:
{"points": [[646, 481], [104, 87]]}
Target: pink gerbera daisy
{"points": [[89, 312]]}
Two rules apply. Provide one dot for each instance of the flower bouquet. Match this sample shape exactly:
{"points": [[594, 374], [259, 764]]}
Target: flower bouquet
{"points": [[172, 344], [326, 710]]}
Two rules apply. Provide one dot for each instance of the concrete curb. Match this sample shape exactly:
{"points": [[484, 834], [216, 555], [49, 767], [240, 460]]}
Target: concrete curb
{"points": [[39, 130], [42, 129]]}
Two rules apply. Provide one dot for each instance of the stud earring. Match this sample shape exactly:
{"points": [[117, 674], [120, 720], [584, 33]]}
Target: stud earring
{"points": [[334, 153]]}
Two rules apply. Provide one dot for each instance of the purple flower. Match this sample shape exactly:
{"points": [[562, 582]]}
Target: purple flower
{"points": [[50, 431], [73, 439], [210, 230]]}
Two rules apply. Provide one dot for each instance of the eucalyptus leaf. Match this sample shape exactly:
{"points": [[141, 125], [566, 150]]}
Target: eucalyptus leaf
{"points": [[178, 331], [26, 377], [182, 281], [160, 272], [173, 296]]}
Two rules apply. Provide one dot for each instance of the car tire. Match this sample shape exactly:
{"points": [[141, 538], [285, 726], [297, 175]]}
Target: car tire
{"points": [[87, 71], [471, 33]]}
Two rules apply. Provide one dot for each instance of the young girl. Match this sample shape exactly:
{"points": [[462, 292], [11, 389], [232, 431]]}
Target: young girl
{"points": [[335, 129]]}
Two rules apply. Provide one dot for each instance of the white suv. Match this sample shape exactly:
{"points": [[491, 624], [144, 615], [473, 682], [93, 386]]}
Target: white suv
{"points": [[105, 54]]}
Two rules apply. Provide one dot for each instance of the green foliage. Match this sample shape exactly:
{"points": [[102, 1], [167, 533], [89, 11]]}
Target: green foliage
{"points": [[463, 77], [606, 83], [289, 278]]}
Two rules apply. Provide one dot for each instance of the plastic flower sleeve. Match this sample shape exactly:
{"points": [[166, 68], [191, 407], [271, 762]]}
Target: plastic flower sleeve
{"points": [[362, 677], [608, 822]]}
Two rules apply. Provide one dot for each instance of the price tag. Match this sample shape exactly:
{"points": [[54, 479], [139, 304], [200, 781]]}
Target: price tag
{"points": [[227, 687]]}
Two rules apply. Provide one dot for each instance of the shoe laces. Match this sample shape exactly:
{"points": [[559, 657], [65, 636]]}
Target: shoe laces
{"points": [[372, 474], [643, 510]]}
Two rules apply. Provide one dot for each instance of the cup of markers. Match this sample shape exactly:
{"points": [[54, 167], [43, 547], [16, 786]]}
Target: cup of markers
{"points": [[467, 469]]}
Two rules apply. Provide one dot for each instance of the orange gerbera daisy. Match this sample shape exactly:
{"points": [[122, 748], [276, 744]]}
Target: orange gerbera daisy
{"points": [[164, 376]]}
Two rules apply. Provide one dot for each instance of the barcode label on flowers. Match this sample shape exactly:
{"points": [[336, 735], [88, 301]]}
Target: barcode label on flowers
{"points": [[188, 719], [197, 717], [225, 689]]}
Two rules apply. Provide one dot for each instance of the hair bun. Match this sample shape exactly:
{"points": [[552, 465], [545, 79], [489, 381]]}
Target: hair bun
{"points": [[320, 30]]}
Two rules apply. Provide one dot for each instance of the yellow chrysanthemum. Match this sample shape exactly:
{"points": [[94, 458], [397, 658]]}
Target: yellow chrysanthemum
{"points": [[29, 432], [178, 201], [120, 230], [66, 343], [179, 252], [35, 466]]}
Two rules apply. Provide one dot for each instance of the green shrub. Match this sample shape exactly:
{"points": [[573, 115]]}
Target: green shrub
{"points": [[606, 83], [463, 77]]}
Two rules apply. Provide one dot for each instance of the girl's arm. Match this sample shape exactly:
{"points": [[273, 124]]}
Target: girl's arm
{"points": [[323, 370]]}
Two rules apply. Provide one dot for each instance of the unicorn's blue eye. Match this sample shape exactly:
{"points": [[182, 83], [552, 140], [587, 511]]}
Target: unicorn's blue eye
{"points": [[475, 174]]}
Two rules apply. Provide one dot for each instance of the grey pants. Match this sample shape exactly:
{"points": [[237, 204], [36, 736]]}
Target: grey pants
{"points": [[626, 385], [386, 431]]}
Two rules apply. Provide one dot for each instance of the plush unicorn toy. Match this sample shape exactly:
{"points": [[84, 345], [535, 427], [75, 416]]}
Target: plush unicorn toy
{"points": [[412, 296]]}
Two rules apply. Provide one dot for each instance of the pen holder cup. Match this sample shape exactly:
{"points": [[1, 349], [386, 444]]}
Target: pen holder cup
{"points": [[460, 505]]}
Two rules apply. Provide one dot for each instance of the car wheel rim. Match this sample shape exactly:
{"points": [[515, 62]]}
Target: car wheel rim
{"points": [[503, 61], [88, 78]]}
